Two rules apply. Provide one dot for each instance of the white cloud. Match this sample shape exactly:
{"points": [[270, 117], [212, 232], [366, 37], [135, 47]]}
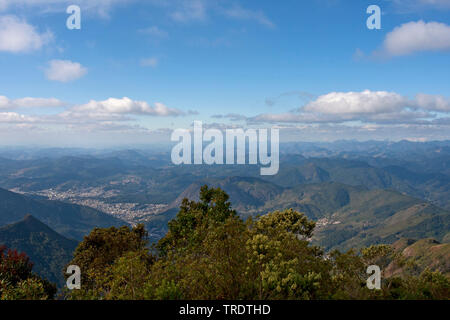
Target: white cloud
{"points": [[64, 70], [38, 102], [150, 62], [433, 102], [13, 117], [87, 123], [367, 106], [357, 102], [417, 36], [29, 102], [114, 108], [110, 113], [16, 35], [4, 102]]}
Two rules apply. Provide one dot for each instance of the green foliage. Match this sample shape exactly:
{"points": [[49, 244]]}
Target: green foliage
{"points": [[98, 257], [18, 282], [167, 290], [186, 229], [280, 258], [209, 252], [287, 222], [428, 285], [29, 289], [128, 274], [380, 255]]}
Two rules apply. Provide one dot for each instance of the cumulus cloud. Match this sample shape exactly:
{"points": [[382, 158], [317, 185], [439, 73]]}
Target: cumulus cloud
{"points": [[357, 102], [417, 36], [433, 102], [64, 70], [114, 108], [366, 106], [110, 121], [29, 102], [111, 111], [16, 35]]}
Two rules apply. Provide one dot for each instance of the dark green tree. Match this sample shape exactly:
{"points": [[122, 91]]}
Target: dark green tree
{"points": [[98, 252]]}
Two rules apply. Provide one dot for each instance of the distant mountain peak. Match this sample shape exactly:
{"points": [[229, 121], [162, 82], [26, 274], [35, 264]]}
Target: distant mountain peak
{"points": [[29, 218], [48, 250], [29, 224]]}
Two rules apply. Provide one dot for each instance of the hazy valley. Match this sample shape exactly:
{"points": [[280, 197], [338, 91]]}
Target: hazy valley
{"points": [[359, 194]]}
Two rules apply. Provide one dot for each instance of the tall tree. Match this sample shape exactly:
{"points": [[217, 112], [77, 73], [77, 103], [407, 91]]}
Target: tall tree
{"points": [[98, 252]]}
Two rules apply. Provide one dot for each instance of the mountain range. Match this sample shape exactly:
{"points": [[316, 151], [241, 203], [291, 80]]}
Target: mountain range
{"points": [[359, 193], [347, 216], [421, 170]]}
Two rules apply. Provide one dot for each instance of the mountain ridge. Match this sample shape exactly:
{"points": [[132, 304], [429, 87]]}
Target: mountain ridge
{"points": [[70, 220], [48, 250], [347, 216]]}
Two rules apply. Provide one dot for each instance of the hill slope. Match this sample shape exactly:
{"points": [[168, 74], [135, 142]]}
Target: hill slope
{"points": [[427, 253], [434, 187], [347, 216], [48, 250], [70, 220]]}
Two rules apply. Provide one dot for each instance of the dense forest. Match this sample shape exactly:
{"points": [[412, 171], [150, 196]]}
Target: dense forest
{"points": [[209, 252]]}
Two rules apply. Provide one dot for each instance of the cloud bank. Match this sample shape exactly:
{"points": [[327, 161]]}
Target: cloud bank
{"points": [[373, 107], [29, 102], [112, 115], [113, 107]]}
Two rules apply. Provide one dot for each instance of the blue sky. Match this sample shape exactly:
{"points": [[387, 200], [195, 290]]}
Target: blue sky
{"points": [[138, 69]]}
